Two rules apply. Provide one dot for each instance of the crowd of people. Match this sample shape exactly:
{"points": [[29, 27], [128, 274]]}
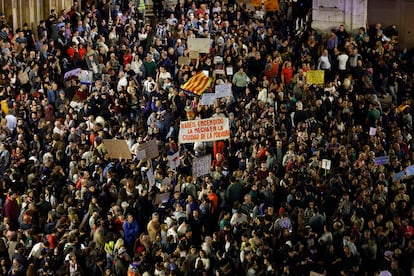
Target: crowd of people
{"points": [[315, 178]]}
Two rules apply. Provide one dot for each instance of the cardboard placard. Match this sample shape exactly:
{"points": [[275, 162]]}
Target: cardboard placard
{"points": [[201, 165], [201, 45], [117, 149], [315, 77], [183, 60], [211, 129], [150, 148], [194, 55]]}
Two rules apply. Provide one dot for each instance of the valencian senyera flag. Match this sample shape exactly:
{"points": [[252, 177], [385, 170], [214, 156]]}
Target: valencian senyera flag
{"points": [[197, 84]]}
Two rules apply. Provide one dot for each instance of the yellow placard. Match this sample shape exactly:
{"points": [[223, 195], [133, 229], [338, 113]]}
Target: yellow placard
{"points": [[315, 77], [271, 5]]}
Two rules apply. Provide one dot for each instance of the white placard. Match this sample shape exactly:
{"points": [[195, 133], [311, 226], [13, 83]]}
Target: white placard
{"points": [[218, 59], [207, 99], [229, 71], [372, 131], [141, 154], [151, 177], [201, 45], [223, 90], [201, 165], [326, 164], [219, 71], [174, 160]]}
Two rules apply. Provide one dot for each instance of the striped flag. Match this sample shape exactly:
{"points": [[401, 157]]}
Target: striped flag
{"points": [[197, 84]]}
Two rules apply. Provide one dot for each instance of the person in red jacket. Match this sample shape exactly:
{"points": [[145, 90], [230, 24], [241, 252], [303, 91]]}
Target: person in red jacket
{"points": [[82, 51], [72, 50], [11, 208]]}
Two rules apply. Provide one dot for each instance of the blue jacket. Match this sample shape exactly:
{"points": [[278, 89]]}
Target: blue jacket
{"points": [[131, 231]]}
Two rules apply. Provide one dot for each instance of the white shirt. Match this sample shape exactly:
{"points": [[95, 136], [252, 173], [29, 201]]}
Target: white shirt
{"points": [[11, 122], [136, 66], [262, 96], [342, 60], [122, 82], [324, 63], [235, 219], [37, 250]]}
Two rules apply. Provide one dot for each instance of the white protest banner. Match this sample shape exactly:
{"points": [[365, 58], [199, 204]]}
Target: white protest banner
{"points": [[201, 165], [174, 160], [211, 129], [223, 90], [201, 45], [207, 99]]}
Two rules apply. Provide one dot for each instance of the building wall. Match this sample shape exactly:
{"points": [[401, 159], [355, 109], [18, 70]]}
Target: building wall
{"points": [[31, 11], [328, 14], [398, 12]]}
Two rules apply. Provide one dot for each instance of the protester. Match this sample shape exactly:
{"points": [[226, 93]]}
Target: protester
{"points": [[316, 176]]}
